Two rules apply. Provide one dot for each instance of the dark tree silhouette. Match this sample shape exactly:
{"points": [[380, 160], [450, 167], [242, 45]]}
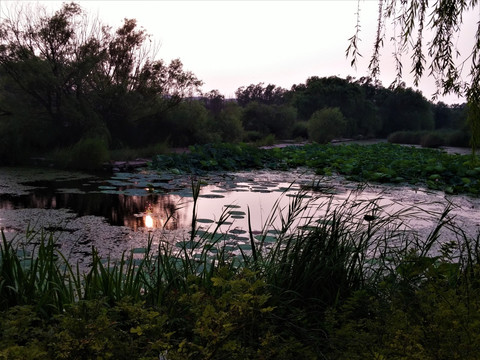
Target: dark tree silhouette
{"points": [[82, 79]]}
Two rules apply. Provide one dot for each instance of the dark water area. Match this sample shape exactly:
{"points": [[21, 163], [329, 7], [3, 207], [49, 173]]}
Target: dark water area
{"points": [[86, 198]]}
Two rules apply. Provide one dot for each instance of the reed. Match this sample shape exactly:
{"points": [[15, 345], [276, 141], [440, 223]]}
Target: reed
{"points": [[33, 277]]}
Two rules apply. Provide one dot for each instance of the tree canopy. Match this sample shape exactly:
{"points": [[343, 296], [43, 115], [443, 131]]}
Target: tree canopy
{"points": [[84, 78]]}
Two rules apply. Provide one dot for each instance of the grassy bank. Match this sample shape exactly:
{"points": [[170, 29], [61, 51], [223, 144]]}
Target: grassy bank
{"points": [[353, 284]]}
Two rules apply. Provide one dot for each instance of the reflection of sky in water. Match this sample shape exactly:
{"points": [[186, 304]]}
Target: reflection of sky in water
{"points": [[416, 209], [86, 213], [126, 199]]}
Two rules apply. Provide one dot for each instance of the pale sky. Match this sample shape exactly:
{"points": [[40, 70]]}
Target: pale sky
{"points": [[228, 44]]}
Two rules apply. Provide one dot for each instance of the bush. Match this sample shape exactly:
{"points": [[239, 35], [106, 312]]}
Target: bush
{"points": [[459, 138], [251, 136], [406, 137], [127, 153], [326, 124], [433, 140], [87, 154], [12, 147], [300, 130], [229, 123], [268, 140]]}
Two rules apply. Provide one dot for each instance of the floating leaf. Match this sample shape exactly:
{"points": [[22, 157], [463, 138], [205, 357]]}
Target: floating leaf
{"points": [[112, 192], [205, 221], [224, 223], [117, 183], [237, 213], [122, 176], [267, 238], [107, 187], [136, 192], [212, 196], [237, 231], [242, 238]]}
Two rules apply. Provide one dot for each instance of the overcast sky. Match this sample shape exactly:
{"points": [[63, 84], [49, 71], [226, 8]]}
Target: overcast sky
{"points": [[228, 44]]}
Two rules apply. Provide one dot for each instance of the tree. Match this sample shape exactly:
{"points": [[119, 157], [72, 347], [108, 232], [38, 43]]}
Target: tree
{"points": [[442, 115], [269, 119], [186, 124], [349, 97], [214, 102], [444, 19], [405, 109], [228, 123], [85, 78], [268, 95]]}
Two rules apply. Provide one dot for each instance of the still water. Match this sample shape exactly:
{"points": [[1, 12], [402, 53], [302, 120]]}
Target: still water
{"points": [[139, 201], [118, 211]]}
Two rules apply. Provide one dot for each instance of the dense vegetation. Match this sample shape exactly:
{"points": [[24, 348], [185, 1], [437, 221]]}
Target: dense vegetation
{"points": [[350, 285], [71, 88], [382, 162]]}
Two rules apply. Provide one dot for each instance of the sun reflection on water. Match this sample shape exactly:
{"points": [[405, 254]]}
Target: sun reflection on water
{"points": [[148, 221]]}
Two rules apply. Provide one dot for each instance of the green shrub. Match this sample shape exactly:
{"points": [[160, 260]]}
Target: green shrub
{"points": [[459, 138], [23, 334], [89, 154], [229, 123], [406, 137], [433, 140], [300, 130], [423, 309], [268, 140], [325, 125], [127, 153], [252, 136]]}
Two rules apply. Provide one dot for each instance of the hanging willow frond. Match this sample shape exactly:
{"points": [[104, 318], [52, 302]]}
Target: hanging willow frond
{"points": [[374, 65], [354, 40], [411, 21]]}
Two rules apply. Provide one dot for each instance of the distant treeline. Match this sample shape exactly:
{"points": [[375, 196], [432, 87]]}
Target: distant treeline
{"points": [[71, 85]]}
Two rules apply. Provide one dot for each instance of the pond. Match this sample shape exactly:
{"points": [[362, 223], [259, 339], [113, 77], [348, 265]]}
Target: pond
{"points": [[120, 211]]}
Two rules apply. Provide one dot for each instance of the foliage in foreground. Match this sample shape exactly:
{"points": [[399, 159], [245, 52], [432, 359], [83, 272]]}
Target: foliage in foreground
{"points": [[348, 285], [383, 162]]}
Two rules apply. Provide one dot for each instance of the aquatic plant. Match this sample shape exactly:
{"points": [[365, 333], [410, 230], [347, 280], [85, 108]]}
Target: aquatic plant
{"points": [[383, 162]]}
